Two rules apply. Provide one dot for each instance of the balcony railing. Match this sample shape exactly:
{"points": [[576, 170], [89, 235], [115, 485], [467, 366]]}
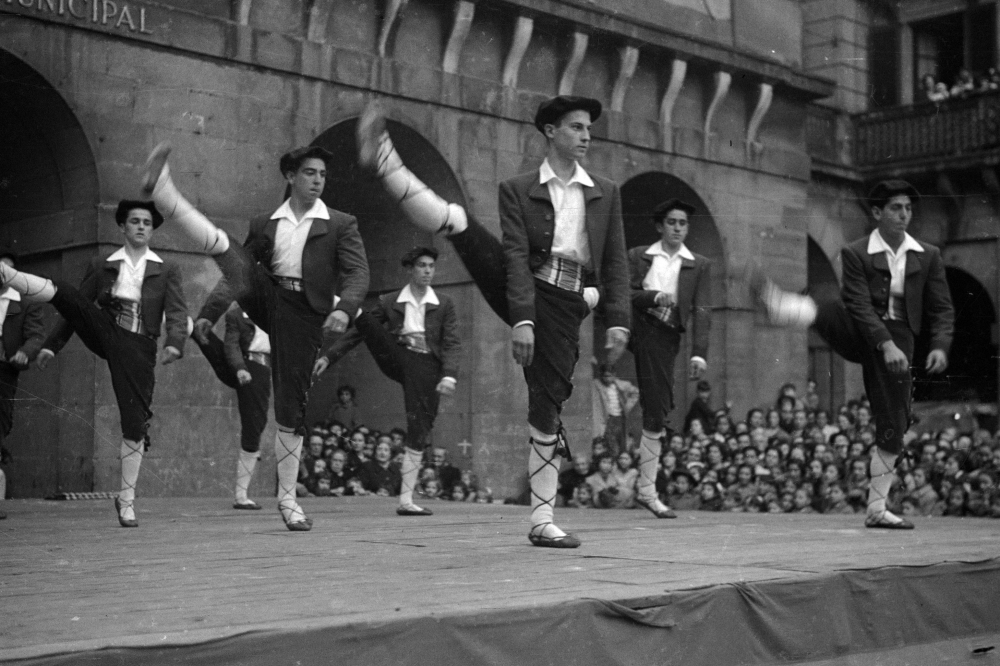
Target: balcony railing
{"points": [[949, 131]]}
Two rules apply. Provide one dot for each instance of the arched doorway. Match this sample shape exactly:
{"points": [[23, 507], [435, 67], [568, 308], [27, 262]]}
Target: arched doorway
{"points": [[826, 368], [387, 237], [49, 193], [972, 362], [640, 195]]}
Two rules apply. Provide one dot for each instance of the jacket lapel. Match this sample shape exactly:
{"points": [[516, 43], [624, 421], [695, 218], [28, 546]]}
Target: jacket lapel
{"points": [[879, 262], [319, 227], [540, 192], [914, 264]]}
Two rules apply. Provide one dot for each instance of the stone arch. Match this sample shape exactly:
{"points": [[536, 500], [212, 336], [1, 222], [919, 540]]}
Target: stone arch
{"points": [[48, 175], [972, 362]]}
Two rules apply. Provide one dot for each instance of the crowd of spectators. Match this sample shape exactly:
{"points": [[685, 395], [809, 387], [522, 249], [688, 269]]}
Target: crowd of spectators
{"points": [[339, 461], [793, 458], [965, 85]]}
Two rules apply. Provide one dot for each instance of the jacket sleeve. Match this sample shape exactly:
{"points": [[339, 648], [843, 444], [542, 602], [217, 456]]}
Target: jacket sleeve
{"points": [[451, 344], [701, 312], [938, 310], [642, 299], [256, 248], [33, 330], [175, 310], [234, 355], [520, 281], [62, 331], [614, 269], [858, 300], [354, 276]]}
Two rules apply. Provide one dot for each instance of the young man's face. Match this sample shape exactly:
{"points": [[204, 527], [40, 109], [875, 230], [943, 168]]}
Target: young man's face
{"points": [[570, 136], [307, 183], [138, 228], [673, 228], [422, 271], [893, 218], [337, 462], [744, 476], [383, 452], [345, 397], [683, 485]]}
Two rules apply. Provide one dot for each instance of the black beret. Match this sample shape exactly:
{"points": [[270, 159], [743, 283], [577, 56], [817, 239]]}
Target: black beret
{"points": [[411, 257], [887, 189], [550, 111], [662, 209], [121, 215], [293, 159]]}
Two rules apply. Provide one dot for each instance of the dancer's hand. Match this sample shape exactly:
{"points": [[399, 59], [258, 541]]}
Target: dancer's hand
{"points": [[523, 338], [20, 359], [937, 361], [43, 358], [320, 366], [698, 368], [615, 343], [201, 330], [446, 386], [336, 322], [243, 377], [169, 355], [894, 357], [663, 299]]}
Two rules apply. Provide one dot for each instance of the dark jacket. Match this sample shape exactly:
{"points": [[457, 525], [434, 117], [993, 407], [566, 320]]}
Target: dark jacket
{"points": [[865, 293], [440, 330], [333, 263], [23, 329], [527, 220], [239, 335], [693, 296], [162, 295]]}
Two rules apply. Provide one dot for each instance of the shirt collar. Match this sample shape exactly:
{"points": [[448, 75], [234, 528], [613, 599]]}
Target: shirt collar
{"points": [[545, 174], [318, 209], [877, 244], [657, 249], [10, 294], [406, 296], [122, 255]]}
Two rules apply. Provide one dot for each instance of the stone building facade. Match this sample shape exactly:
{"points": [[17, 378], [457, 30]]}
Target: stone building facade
{"points": [[711, 99]]}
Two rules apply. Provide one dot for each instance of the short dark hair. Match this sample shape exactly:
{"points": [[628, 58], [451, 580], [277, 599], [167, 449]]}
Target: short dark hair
{"points": [[661, 210], [348, 388], [885, 190], [125, 206], [411, 257], [291, 161]]}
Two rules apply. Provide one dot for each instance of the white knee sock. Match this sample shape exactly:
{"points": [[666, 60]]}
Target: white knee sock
{"points": [[649, 455], [174, 207], [245, 466], [785, 308], [421, 205], [543, 477], [882, 473], [288, 451], [131, 461], [32, 287], [410, 472]]}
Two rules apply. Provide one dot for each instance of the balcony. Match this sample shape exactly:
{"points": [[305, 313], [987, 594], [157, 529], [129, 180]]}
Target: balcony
{"points": [[954, 134]]}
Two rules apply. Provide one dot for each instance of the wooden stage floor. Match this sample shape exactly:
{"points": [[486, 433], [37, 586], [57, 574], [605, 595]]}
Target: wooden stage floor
{"points": [[194, 570]]}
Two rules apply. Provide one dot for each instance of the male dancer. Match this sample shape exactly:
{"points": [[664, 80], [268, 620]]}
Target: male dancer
{"points": [[562, 229], [286, 277], [117, 312], [893, 286], [22, 334], [243, 362], [670, 287], [413, 336]]}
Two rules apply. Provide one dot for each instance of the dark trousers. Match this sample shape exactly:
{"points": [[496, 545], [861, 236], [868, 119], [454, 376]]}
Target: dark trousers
{"points": [[296, 331], [889, 394], [251, 398], [418, 374], [131, 357], [558, 315], [655, 350], [614, 434], [8, 389]]}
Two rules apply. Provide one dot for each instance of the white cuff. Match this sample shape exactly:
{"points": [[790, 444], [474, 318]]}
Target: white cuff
{"points": [[700, 361], [525, 322]]}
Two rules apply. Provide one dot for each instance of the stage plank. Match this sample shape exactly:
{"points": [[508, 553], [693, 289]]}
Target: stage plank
{"points": [[195, 569]]}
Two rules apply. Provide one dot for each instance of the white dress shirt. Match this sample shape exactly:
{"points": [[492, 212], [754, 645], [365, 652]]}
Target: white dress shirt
{"points": [[6, 297], [569, 240], [414, 320], [260, 343], [664, 275], [290, 237], [897, 266], [128, 285]]}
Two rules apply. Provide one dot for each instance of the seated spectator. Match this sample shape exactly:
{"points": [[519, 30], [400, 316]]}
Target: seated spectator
{"points": [[709, 497], [338, 479], [574, 476], [802, 501], [582, 498], [964, 84], [668, 463], [923, 493], [317, 472], [598, 447], [740, 495], [378, 476], [458, 493], [355, 487], [909, 507], [447, 474], [606, 488], [683, 497], [956, 502], [701, 409], [398, 436], [356, 454], [429, 489], [471, 483], [836, 500]]}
